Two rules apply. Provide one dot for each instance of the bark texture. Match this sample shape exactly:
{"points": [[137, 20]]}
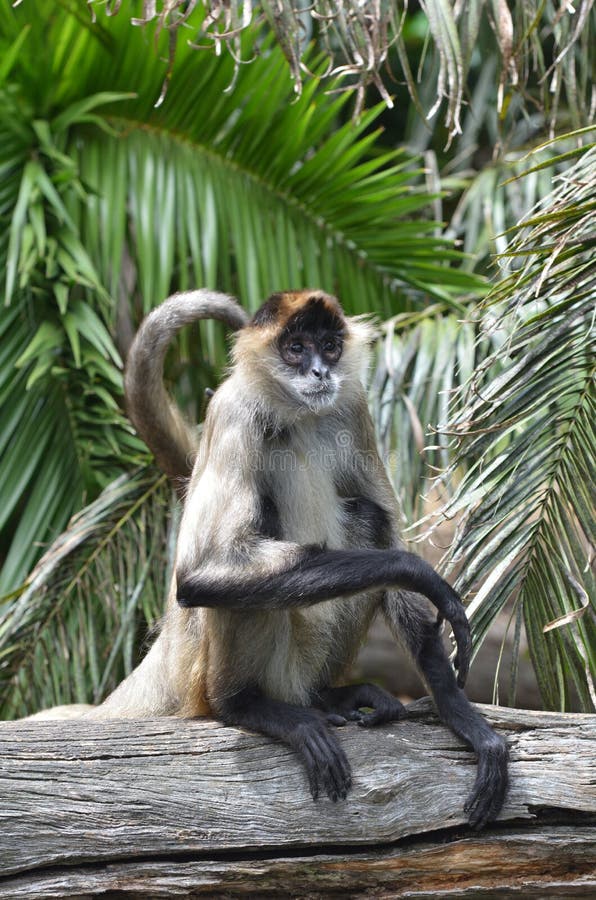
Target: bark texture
{"points": [[167, 807]]}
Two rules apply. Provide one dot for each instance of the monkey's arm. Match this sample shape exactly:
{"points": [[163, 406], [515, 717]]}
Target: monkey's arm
{"points": [[227, 560], [319, 575], [423, 642]]}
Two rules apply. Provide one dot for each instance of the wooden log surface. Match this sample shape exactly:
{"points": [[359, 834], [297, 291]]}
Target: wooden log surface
{"points": [[161, 807]]}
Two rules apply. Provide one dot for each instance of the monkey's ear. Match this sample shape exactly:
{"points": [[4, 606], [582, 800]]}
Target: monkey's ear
{"points": [[363, 329], [268, 313]]}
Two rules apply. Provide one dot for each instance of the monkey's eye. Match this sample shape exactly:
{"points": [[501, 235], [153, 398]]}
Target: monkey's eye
{"points": [[330, 346], [297, 347]]}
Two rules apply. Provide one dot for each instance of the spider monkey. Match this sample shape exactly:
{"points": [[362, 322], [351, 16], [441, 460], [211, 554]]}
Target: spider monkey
{"points": [[289, 545]]}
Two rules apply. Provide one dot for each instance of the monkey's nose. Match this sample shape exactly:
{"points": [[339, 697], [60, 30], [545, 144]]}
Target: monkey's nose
{"points": [[317, 373]]}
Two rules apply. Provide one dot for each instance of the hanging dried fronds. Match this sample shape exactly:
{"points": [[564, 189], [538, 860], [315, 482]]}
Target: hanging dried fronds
{"points": [[358, 35]]}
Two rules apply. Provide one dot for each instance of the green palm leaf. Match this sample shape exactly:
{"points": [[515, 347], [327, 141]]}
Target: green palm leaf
{"points": [[74, 630], [541, 49], [422, 359], [527, 434], [108, 204]]}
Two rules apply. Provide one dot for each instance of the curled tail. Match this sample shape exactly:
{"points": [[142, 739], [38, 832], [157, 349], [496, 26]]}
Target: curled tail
{"points": [[154, 414]]}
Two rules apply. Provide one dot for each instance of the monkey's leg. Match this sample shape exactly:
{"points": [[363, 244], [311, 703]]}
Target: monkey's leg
{"points": [[347, 703], [423, 640], [306, 730]]}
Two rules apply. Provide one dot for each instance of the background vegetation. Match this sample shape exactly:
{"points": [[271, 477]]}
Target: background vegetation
{"points": [[133, 165]]}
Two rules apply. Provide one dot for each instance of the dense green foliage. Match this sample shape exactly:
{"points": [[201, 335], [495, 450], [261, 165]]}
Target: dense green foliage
{"points": [[527, 436], [543, 58], [110, 202]]}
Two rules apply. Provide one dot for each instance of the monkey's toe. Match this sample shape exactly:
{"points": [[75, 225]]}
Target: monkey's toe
{"points": [[393, 712], [482, 808], [337, 720], [366, 704], [388, 709]]}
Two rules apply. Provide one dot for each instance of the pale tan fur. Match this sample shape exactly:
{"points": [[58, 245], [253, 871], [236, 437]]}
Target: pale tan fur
{"points": [[203, 656], [68, 711]]}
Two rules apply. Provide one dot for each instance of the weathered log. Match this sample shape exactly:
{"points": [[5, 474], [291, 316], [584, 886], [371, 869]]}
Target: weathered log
{"points": [[167, 807]]}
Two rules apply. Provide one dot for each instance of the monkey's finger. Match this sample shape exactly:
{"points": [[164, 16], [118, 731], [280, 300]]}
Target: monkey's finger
{"points": [[317, 756], [462, 674], [342, 769], [463, 639], [345, 769], [323, 766], [330, 776], [337, 720], [311, 771], [338, 771]]}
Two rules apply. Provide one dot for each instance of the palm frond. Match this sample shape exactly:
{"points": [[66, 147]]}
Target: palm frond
{"points": [[420, 361], [108, 204], [503, 193], [527, 437], [258, 191], [61, 372], [73, 631]]}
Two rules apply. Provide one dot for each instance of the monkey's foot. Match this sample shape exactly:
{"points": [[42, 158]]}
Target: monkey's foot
{"points": [[487, 797], [343, 704], [326, 763]]}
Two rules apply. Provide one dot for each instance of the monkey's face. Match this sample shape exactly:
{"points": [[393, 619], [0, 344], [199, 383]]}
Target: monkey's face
{"points": [[300, 351], [310, 346], [311, 358]]}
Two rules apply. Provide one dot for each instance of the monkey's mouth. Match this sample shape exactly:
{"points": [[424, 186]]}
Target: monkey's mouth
{"points": [[319, 396], [323, 390]]}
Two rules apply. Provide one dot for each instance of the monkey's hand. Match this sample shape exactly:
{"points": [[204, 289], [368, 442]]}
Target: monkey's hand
{"points": [[451, 609], [326, 763], [485, 802]]}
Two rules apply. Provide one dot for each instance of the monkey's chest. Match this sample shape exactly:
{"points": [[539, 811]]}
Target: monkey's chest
{"points": [[302, 492]]}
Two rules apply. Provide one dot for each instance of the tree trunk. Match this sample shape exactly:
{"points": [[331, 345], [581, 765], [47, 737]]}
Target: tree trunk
{"points": [[166, 807]]}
